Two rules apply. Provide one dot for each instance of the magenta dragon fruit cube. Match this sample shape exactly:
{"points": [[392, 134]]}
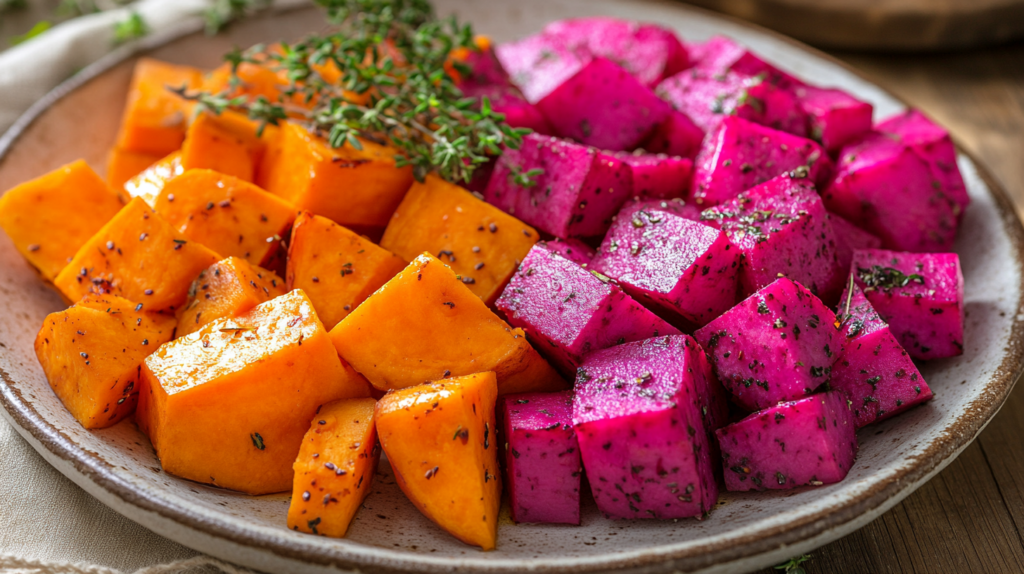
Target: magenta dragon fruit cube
{"points": [[836, 118], [604, 106], [538, 64], [782, 229], [740, 154], [658, 176], [934, 145], [647, 51], [573, 250], [679, 265], [721, 54], [807, 442], [676, 136], [874, 371], [643, 417], [542, 458], [675, 206], [568, 311], [920, 296], [850, 238], [707, 98], [574, 192], [776, 345], [888, 189]]}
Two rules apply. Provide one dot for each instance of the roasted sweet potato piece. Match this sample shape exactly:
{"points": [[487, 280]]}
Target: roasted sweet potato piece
{"points": [[426, 325], [227, 289], [229, 404], [483, 244], [441, 441], [359, 189], [151, 181], [229, 143], [49, 218], [336, 268], [226, 214], [155, 119], [256, 80], [92, 354], [123, 165], [136, 255], [335, 468]]}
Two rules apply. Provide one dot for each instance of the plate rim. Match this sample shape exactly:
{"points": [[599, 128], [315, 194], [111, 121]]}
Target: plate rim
{"points": [[907, 478]]}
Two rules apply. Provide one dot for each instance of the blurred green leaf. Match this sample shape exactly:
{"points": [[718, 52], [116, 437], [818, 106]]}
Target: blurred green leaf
{"points": [[39, 28]]}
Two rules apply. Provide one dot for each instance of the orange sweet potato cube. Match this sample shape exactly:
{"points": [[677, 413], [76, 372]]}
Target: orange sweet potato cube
{"points": [[122, 165], [155, 119], [335, 468], [256, 80], [337, 268], [139, 256], [49, 218], [230, 216], [228, 143], [441, 441], [426, 325], [483, 244], [359, 189], [227, 289], [92, 353], [229, 404], [151, 181]]}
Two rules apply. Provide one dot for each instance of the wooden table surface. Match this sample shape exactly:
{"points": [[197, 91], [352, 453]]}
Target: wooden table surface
{"points": [[969, 518]]}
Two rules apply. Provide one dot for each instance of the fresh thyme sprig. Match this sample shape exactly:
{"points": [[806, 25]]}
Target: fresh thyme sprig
{"points": [[393, 58], [794, 565]]}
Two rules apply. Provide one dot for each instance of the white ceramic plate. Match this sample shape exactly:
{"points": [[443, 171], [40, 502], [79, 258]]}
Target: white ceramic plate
{"points": [[746, 531]]}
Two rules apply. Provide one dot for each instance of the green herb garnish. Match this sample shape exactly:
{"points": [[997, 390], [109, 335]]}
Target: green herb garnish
{"points": [[878, 277], [395, 88]]}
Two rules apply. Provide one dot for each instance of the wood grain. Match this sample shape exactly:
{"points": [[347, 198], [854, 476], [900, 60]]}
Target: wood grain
{"points": [[969, 518], [908, 25]]}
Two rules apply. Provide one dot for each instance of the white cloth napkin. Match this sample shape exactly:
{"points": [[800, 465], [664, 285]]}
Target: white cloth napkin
{"points": [[47, 523]]}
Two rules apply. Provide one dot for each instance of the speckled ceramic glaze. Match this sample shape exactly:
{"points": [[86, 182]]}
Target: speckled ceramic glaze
{"points": [[746, 531]]}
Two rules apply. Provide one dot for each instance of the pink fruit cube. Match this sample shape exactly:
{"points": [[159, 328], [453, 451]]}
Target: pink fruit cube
{"points": [[643, 414], [836, 118], [686, 268], [778, 344], [576, 193], [677, 136], [782, 229], [874, 371], [540, 63], [647, 51], [934, 145], [850, 238], [888, 189], [707, 98], [542, 458], [722, 54], [658, 176], [920, 296], [573, 250], [740, 154], [568, 311], [808, 442], [604, 106]]}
